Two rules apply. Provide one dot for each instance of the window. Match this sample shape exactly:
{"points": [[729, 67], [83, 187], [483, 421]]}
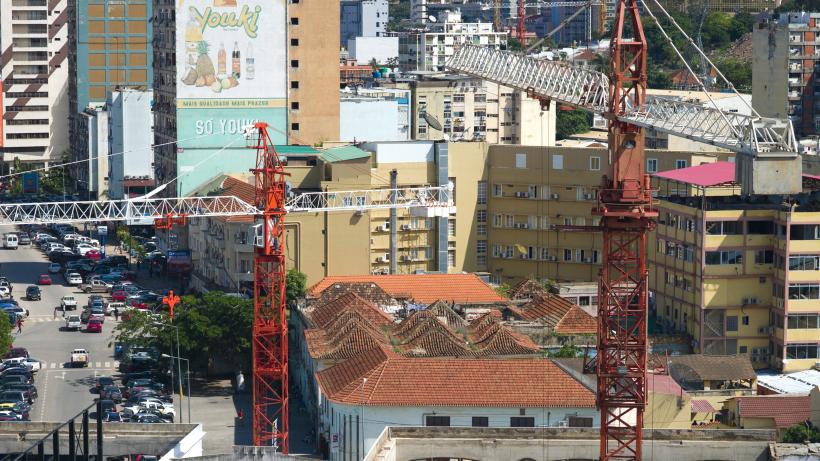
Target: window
{"points": [[595, 256], [764, 257], [804, 263], [481, 421], [458, 97], [482, 193], [294, 84], [545, 222], [436, 420], [545, 253], [651, 165], [481, 260], [509, 220], [557, 162], [724, 228], [498, 220], [480, 98], [498, 190], [481, 216], [724, 257], [481, 247], [451, 258], [294, 127], [294, 105], [804, 291], [746, 320], [731, 323], [294, 21], [294, 63], [803, 321], [481, 229], [451, 227], [567, 254], [594, 163], [521, 421], [680, 164], [801, 351], [521, 160], [580, 421], [760, 227], [532, 191], [294, 42]]}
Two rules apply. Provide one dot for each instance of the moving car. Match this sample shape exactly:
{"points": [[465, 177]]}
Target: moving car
{"points": [[68, 303], [10, 241], [24, 239], [73, 322], [33, 293], [54, 268], [95, 285], [79, 358], [94, 326], [110, 307], [44, 279]]}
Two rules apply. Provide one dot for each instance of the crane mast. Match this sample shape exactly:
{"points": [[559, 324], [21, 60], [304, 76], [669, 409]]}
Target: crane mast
{"points": [[627, 216]]}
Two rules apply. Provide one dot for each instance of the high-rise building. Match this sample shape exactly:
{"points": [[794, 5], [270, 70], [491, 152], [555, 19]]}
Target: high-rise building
{"points": [[131, 168], [363, 18], [784, 70], [739, 275], [92, 146], [214, 78], [476, 110], [109, 48], [34, 75], [429, 50]]}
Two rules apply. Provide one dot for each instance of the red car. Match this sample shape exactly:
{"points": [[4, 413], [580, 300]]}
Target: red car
{"points": [[94, 326], [136, 303], [93, 255], [44, 279], [119, 296]]}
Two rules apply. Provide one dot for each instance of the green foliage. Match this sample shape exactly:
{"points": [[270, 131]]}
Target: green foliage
{"points": [[570, 122], [658, 79], [295, 285], [566, 351], [800, 433], [513, 44], [6, 338], [798, 5], [214, 325], [716, 28], [742, 24], [738, 72], [503, 289]]}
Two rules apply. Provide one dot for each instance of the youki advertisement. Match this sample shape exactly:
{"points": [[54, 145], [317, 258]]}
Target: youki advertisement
{"points": [[230, 52]]}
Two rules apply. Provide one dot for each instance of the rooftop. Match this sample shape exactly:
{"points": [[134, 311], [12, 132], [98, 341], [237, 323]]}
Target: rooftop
{"points": [[343, 154], [424, 288], [557, 314], [699, 367], [706, 175], [785, 410], [801, 382], [399, 381]]}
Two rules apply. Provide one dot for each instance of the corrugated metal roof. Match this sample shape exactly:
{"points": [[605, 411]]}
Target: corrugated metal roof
{"points": [[710, 174], [801, 382], [295, 150], [343, 153]]}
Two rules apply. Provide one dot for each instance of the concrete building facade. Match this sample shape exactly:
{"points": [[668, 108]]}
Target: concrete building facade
{"points": [[429, 50], [784, 67], [384, 50], [739, 276], [375, 114], [93, 148], [34, 74], [362, 18], [476, 110], [110, 47], [131, 165]]}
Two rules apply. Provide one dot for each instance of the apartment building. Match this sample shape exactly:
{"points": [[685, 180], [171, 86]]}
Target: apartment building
{"points": [[739, 275], [785, 82], [131, 170], [34, 75], [463, 108], [94, 149], [362, 18], [430, 49], [109, 48], [212, 80], [531, 191]]}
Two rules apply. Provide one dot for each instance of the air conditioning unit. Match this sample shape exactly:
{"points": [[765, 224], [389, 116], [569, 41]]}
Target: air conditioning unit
{"points": [[405, 227], [380, 229], [406, 258], [522, 194], [382, 259], [525, 257], [589, 196], [522, 225], [554, 196], [752, 300], [587, 260]]}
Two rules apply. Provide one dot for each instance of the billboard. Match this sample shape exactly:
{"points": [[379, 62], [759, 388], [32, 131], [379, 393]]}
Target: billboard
{"points": [[31, 182], [204, 128], [229, 51]]}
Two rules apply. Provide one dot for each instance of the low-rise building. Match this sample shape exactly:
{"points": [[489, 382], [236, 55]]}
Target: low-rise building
{"points": [[767, 411]]}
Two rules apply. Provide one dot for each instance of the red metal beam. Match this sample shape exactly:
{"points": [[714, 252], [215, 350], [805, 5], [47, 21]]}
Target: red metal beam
{"points": [[270, 328]]}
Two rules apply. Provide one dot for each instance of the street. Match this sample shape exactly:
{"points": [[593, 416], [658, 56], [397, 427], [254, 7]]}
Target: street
{"points": [[63, 392]]}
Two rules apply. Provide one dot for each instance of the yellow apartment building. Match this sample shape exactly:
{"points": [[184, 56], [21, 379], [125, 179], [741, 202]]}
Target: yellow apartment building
{"points": [[531, 190], [740, 276]]}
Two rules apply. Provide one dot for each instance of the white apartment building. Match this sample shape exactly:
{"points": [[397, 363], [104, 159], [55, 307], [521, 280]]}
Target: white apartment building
{"points": [[34, 73], [363, 18], [374, 114], [429, 50], [92, 173], [131, 165]]}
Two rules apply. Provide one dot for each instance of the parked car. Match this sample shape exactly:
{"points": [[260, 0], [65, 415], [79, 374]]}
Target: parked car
{"points": [[24, 239], [74, 279], [33, 293], [110, 307], [119, 296], [103, 381], [16, 352], [43, 279], [93, 255], [68, 303], [112, 417], [95, 285], [111, 393]]}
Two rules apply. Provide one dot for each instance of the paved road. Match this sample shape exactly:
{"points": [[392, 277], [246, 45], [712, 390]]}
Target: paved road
{"points": [[63, 392]]}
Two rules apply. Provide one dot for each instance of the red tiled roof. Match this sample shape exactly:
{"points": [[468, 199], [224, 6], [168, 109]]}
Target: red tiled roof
{"points": [[549, 308], [527, 289], [368, 291], [402, 381], [322, 315], [239, 189], [706, 175], [702, 406], [663, 384], [577, 321], [785, 410], [424, 288]]}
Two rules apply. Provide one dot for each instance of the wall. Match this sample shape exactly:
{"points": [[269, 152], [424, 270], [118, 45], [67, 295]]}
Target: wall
{"points": [[370, 120], [373, 420], [468, 164], [770, 62], [130, 120], [365, 49]]}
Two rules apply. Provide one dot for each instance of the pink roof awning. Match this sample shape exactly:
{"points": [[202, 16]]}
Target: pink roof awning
{"points": [[706, 175]]}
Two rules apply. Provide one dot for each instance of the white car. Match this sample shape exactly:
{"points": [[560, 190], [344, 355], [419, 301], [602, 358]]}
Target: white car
{"points": [[74, 278], [33, 364], [84, 248], [109, 309], [4, 291], [54, 268]]}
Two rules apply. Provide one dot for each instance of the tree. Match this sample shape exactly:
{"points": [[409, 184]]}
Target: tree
{"points": [[716, 30], [513, 44], [570, 122], [6, 338], [503, 289], [737, 72], [801, 433], [566, 351], [742, 24], [295, 285], [658, 79]]}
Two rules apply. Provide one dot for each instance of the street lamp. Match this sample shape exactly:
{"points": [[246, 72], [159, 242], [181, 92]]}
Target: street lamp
{"points": [[188, 379], [179, 364]]}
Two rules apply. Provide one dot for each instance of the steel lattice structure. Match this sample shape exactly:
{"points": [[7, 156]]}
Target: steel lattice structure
{"points": [[588, 89]]}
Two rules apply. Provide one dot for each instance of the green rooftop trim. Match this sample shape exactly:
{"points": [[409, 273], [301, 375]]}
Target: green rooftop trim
{"points": [[295, 150], [343, 153]]}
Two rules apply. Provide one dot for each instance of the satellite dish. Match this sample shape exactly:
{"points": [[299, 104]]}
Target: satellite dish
{"points": [[432, 18], [432, 121]]}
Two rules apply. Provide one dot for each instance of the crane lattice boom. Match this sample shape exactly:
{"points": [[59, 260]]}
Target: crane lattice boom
{"points": [[437, 199], [588, 89]]}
